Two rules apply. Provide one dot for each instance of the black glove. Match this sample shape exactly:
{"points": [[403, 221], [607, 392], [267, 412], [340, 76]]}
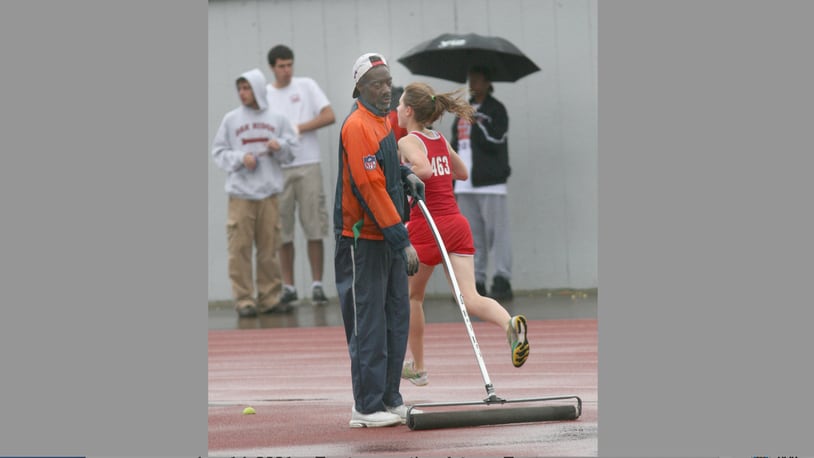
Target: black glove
{"points": [[415, 186]]}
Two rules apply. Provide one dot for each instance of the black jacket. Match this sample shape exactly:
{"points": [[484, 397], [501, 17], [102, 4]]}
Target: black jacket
{"points": [[489, 143]]}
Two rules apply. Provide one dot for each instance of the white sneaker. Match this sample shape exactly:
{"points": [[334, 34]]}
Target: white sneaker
{"points": [[373, 420], [401, 411]]}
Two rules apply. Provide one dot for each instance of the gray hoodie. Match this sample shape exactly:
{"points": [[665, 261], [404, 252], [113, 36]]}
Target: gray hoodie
{"points": [[246, 130]]}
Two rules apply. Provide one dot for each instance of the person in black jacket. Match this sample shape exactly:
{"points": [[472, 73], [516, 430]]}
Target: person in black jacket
{"points": [[482, 198]]}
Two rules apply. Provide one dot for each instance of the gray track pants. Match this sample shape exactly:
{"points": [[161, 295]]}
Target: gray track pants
{"points": [[488, 216]]}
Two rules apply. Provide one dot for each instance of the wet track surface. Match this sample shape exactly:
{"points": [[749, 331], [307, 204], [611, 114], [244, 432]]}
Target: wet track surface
{"points": [[295, 371]]}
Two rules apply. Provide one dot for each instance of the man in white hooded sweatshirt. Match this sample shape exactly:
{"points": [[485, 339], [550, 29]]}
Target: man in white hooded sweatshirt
{"points": [[250, 145]]}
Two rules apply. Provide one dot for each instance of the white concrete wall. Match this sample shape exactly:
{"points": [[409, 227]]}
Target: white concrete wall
{"points": [[553, 113]]}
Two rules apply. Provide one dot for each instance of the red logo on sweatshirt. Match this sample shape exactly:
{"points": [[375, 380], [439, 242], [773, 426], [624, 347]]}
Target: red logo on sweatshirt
{"points": [[255, 140], [255, 125]]}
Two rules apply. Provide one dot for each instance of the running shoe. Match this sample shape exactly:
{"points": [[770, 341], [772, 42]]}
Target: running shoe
{"points": [[289, 296], [516, 335], [415, 377]]}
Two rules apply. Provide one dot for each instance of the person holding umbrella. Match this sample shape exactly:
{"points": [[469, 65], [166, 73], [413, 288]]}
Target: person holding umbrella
{"points": [[483, 147], [435, 162]]}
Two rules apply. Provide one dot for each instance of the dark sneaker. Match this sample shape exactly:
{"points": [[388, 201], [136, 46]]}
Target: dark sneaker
{"points": [[501, 289], [318, 295], [247, 311], [516, 335], [288, 297], [481, 288]]}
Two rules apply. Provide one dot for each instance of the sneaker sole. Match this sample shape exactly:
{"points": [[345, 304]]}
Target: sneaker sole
{"points": [[371, 424], [520, 352], [403, 420]]}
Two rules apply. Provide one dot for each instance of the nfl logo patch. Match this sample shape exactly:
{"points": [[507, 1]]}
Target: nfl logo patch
{"points": [[370, 162]]}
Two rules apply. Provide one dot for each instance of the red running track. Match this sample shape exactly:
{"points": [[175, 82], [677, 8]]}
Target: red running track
{"points": [[298, 381]]}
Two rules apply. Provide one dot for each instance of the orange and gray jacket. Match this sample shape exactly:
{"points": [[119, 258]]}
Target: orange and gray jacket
{"points": [[369, 197]]}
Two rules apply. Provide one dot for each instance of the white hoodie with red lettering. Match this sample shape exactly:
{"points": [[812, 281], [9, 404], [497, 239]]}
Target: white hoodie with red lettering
{"points": [[247, 130]]}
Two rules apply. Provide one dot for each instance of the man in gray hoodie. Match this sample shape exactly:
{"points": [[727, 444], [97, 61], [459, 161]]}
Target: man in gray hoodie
{"points": [[250, 145]]}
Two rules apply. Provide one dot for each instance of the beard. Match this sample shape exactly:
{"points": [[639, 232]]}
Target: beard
{"points": [[382, 104]]}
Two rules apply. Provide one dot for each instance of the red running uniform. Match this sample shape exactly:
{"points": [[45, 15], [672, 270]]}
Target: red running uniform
{"points": [[440, 200]]}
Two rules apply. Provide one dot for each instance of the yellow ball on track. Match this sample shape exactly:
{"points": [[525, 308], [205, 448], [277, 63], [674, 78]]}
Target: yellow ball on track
{"points": [[248, 411]]}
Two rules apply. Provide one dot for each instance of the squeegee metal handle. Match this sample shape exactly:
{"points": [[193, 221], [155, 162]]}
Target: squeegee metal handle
{"points": [[459, 298]]}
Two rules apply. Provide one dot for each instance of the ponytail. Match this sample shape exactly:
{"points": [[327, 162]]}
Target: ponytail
{"points": [[429, 107]]}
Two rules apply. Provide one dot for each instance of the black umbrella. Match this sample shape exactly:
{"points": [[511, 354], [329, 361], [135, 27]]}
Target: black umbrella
{"points": [[449, 56]]}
